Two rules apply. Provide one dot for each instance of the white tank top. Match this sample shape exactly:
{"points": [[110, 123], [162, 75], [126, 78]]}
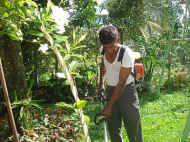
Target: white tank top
{"points": [[113, 69]]}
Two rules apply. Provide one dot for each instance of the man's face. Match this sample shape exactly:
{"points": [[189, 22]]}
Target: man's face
{"points": [[110, 47]]}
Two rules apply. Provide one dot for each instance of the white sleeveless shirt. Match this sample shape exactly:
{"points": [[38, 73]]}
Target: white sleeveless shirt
{"points": [[113, 69]]}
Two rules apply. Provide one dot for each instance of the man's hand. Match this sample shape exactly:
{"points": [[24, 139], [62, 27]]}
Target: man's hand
{"points": [[117, 91], [107, 111]]}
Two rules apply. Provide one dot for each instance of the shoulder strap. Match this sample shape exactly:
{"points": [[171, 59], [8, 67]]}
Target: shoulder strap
{"points": [[103, 52], [120, 58], [121, 54]]}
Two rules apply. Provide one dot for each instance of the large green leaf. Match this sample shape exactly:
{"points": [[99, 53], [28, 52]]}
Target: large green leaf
{"points": [[80, 104], [87, 119], [60, 38], [14, 35], [36, 33], [74, 65], [65, 105], [155, 26]]}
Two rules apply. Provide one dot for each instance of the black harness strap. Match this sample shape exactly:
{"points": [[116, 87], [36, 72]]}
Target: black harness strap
{"points": [[103, 52], [121, 54], [120, 58]]}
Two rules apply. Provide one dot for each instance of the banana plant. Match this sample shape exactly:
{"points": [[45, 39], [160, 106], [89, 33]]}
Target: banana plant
{"points": [[151, 33]]}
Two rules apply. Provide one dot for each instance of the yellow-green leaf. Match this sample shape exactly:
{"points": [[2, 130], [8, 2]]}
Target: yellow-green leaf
{"points": [[80, 104], [87, 119]]}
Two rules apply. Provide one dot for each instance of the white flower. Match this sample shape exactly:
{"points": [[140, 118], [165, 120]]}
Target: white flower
{"points": [[60, 75], [99, 2], [43, 48], [60, 17]]}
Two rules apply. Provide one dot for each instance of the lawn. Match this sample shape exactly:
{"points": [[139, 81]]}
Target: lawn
{"points": [[163, 117]]}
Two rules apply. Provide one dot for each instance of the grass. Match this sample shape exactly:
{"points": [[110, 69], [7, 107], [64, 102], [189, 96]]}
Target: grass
{"points": [[163, 117]]}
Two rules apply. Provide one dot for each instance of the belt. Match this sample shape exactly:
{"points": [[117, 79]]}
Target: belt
{"points": [[129, 84]]}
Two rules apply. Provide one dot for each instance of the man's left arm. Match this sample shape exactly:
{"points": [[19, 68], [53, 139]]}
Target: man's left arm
{"points": [[117, 91]]}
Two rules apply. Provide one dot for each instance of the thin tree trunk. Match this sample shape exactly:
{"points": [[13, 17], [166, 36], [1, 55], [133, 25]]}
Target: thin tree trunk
{"points": [[8, 104], [74, 92], [11, 55], [70, 79], [169, 68]]}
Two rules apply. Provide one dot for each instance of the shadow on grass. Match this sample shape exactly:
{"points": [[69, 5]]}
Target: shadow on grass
{"points": [[148, 98]]}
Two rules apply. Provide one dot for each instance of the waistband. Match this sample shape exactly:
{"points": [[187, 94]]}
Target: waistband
{"points": [[127, 85]]}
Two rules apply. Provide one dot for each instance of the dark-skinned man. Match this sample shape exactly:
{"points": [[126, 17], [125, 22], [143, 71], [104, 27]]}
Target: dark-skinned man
{"points": [[122, 100]]}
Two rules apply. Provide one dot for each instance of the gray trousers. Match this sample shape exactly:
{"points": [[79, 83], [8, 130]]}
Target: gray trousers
{"points": [[126, 108]]}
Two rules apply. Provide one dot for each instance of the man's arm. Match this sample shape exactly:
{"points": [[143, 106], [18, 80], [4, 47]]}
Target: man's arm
{"points": [[102, 72], [117, 91]]}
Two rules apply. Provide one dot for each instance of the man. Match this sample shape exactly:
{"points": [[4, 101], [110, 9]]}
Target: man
{"points": [[122, 99]]}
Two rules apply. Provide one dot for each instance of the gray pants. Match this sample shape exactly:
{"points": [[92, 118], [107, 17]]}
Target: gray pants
{"points": [[126, 108]]}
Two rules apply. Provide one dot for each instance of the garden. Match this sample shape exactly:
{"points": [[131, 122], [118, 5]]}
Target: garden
{"points": [[49, 55]]}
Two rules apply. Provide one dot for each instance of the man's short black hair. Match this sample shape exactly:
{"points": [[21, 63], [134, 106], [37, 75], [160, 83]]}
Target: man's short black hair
{"points": [[108, 34]]}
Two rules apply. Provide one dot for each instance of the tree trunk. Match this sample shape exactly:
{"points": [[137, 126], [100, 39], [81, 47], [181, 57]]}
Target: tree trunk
{"points": [[10, 52], [70, 79], [74, 92], [169, 68]]}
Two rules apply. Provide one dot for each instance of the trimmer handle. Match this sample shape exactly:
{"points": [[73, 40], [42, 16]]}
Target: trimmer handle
{"points": [[101, 96]]}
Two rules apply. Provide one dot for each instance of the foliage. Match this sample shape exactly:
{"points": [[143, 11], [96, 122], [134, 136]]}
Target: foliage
{"points": [[56, 124], [23, 109], [127, 15], [152, 59], [64, 67], [71, 44], [81, 57], [159, 37], [78, 105], [163, 117], [13, 15], [83, 13], [152, 25]]}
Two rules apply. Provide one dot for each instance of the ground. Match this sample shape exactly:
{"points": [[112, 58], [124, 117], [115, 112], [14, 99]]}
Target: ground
{"points": [[163, 117], [163, 120]]}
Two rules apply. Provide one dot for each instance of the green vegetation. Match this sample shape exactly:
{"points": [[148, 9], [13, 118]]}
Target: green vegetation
{"points": [[163, 117], [49, 50]]}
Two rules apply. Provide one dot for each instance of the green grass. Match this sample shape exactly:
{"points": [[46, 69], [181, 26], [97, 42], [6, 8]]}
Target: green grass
{"points": [[163, 117]]}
